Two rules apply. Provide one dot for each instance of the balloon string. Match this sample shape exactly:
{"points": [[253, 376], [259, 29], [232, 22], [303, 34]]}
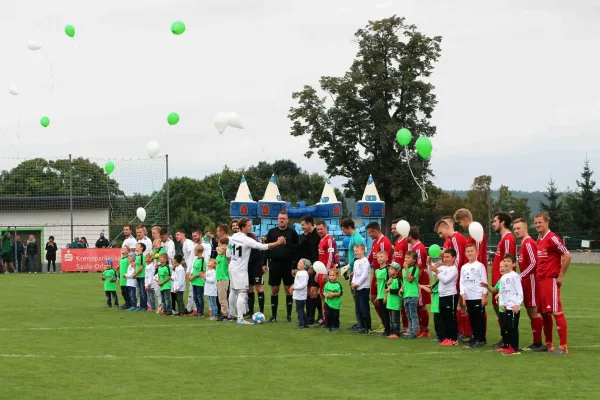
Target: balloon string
{"points": [[422, 188], [51, 71], [220, 188]]}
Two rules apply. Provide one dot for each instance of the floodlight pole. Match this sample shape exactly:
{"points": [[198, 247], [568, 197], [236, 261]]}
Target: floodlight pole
{"points": [[71, 193]]}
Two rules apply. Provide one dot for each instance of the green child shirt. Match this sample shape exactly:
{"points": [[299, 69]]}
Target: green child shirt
{"points": [[140, 262], [163, 273], [435, 298], [394, 300], [222, 268], [199, 266], [382, 276], [109, 285], [497, 287], [123, 265], [411, 289], [334, 302]]}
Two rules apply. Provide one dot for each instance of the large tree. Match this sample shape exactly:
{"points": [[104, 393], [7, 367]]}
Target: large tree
{"points": [[586, 213], [507, 202], [352, 126], [478, 200], [553, 206]]}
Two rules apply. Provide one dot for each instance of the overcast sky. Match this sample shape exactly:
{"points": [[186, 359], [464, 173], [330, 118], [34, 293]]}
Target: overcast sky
{"points": [[517, 84]]}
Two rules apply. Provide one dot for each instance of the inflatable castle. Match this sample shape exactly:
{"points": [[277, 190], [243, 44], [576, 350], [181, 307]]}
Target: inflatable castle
{"points": [[368, 209]]}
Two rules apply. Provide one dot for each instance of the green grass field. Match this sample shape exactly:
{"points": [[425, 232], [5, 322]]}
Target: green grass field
{"points": [[58, 341]]}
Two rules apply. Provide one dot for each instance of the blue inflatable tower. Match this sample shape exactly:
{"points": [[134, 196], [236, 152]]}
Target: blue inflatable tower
{"points": [[243, 205], [370, 208], [269, 207]]}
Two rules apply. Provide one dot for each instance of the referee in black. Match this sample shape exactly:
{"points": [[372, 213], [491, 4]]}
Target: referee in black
{"points": [[281, 261], [308, 248]]}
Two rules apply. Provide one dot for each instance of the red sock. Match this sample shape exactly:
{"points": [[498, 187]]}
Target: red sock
{"points": [[561, 327], [548, 325], [467, 325], [424, 320], [537, 324], [459, 321], [404, 319]]}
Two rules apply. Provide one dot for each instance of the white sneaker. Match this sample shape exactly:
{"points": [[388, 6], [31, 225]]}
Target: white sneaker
{"points": [[244, 322]]}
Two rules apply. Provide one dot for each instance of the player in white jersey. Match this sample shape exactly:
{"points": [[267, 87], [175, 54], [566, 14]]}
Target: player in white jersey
{"points": [[238, 253]]}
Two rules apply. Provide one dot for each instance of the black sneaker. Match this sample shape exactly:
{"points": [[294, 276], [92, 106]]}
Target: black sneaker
{"points": [[310, 322], [354, 327], [533, 346], [248, 315], [288, 319], [273, 319], [319, 321], [322, 325], [362, 331], [499, 345], [108, 306], [471, 345], [539, 349]]}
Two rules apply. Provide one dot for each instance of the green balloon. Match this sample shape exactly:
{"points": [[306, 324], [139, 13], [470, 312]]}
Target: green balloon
{"points": [[177, 27], [109, 167], [173, 118], [434, 251], [45, 121], [403, 137], [424, 147], [70, 30]]}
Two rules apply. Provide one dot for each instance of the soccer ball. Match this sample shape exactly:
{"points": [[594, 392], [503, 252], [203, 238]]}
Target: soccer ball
{"points": [[258, 318]]}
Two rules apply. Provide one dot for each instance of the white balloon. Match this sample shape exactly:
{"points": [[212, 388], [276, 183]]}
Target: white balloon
{"points": [[141, 214], [234, 121], [33, 45], [220, 121], [12, 89], [153, 149], [319, 267], [403, 227], [476, 231]]}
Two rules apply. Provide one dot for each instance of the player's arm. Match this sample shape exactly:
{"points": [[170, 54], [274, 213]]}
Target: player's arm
{"points": [[565, 259], [531, 259], [409, 277]]}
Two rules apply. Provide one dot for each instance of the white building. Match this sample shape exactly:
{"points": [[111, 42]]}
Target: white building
{"points": [[50, 216]]}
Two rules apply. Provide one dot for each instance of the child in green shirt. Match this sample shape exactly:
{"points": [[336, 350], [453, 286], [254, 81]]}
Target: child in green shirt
{"points": [[393, 299], [109, 276], [197, 278], [123, 265], [223, 279], [140, 275], [410, 293], [435, 310], [382, 276], [164, 281], [333, 301]]}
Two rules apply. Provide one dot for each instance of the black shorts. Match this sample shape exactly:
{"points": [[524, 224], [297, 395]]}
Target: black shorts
{"points": [[279, 272], [312, 282], [7, 257], [255, 275]]}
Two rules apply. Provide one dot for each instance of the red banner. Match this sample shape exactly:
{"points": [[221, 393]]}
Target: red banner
{"points": [[77, 260]]}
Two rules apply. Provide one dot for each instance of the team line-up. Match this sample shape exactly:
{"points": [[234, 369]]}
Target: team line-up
{"points": [[403, 282]]}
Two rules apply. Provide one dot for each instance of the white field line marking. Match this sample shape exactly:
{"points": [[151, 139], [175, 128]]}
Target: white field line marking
{"points": [[255, 356]]}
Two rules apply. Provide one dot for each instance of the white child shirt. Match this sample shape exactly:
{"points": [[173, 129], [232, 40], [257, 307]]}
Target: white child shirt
{"points": [[300, 286], [471, 275], [149, 274], [131, 281], [179, 279], [511, 291], [210, 283], [447, 276], [361, 273]]}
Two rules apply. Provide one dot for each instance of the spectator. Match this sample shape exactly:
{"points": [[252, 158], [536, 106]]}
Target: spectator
{"points": [[84, 242], [31, 254], [20, 252], [7, 252], [102, 242], [51, 250]]}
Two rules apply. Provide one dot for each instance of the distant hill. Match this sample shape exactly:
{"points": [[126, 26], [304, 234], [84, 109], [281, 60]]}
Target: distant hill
{"points": [[533, 198]]}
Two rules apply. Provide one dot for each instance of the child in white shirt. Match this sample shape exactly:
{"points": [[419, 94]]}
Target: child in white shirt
{"points": [[179, 283], [473, 295], [210, 288], [149, 281], [361, 284], [131, 282], [300, 292], [511, 297]]}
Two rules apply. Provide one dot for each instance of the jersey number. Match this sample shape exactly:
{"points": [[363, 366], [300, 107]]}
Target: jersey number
{"points": [[238, 249]]}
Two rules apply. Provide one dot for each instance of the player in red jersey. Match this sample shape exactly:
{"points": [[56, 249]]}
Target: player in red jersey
{"points": [[553, 262], [424, 297], [326, 256], [464, 219], [527, 266], [380, 243], [445, 229], [400, 248]]}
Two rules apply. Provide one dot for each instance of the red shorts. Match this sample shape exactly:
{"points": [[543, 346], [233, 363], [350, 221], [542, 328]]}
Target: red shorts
{"points": [[529, 291], [373, 286], [424, 298], [320, 279], [549, 295]]}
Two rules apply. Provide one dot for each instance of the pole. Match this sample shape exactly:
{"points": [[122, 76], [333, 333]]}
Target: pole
{"points": [[71, 193], [168, 210]]}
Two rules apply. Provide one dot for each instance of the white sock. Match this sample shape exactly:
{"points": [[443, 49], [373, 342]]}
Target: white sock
{"points": [[232, 301], [242, 301]]}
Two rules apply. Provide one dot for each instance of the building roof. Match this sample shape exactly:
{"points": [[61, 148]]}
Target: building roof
{"points": [[54, 203]]}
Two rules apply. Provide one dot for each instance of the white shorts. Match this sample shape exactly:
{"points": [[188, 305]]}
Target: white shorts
{"points": [[238, 280]]}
